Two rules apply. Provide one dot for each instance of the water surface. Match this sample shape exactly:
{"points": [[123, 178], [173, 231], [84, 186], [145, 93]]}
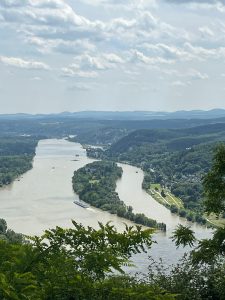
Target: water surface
{"points": [[43, 198]]}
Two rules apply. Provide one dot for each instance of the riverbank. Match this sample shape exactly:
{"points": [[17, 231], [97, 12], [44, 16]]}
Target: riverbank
{"points": [[175, 205], [96, 183], [162, 195], [16, 157]]}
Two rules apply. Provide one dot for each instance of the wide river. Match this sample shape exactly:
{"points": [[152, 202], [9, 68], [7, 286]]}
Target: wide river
{"points": [[43, 198]]}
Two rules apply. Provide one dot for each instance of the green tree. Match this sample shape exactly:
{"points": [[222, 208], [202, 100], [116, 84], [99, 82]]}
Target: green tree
{"points": [[214, 183], [209, 250]]}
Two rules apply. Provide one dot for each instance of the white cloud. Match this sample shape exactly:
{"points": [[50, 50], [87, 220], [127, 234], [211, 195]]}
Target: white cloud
{"points": [[167, 51], [88, 66], [179, 83], [73, 71], [61, 46], [79, 86], [190, 74], [144, 26], [48, 18], [54, 26], [205, 53], [124, 4], [36, 78], [24, 64], [196, 75], [206, 32], [218, 5], [101, 62], [137, 56]]}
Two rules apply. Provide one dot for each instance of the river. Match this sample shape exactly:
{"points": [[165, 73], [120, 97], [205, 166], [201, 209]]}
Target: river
{"points": [[43, 198]]}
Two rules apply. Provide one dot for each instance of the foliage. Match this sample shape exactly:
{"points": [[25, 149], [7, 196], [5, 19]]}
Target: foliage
{"points": [[96, 183], [95, 252], [209, 250], [183, 236], [189, 281], [8, 234], [214, 183], [75, 264]]}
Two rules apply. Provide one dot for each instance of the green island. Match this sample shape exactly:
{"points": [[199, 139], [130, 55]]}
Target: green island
{"points": [[96, 183], [16, 156]]}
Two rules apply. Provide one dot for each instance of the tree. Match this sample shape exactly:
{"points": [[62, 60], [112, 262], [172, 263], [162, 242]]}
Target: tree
{"points": [[209, 250], [95, 252], [183, 236], [174, 208], [3, 226], [163, 194], [214, 183]]}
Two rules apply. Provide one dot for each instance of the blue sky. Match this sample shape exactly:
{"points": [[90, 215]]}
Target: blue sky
{"points": [[77, 55]]}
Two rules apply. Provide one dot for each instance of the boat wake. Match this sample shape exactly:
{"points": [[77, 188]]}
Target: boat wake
{"points": [[91, 209]]}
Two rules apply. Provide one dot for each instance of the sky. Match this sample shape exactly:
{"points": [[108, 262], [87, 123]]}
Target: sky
{"points": [[75, 55]]}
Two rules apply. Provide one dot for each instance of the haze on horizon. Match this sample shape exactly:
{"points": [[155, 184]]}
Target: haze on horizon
{"points": [[76, 55]]}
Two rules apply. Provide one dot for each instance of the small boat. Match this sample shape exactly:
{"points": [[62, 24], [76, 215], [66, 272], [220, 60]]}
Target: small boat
{"points": [[81, 203]]}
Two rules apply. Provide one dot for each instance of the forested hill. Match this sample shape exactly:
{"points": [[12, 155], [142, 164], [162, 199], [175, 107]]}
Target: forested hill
{"points": [[92, 131], [16, 155], [170, 139], [175, 159]]}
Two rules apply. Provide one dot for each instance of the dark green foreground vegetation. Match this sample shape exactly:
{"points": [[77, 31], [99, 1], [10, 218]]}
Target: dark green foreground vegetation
{"points": [[96, 183], [16, 155], [75, 264]]}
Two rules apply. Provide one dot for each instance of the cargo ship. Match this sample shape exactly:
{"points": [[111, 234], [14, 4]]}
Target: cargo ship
{"points": [[81, 203]]}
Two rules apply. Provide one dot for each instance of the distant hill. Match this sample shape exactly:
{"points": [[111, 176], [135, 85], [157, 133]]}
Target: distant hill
{"points": [[125, 115]]}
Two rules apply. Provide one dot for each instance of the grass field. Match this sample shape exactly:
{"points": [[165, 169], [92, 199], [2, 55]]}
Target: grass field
{"points": [[169, 199], [155, 191], [214, 220]]}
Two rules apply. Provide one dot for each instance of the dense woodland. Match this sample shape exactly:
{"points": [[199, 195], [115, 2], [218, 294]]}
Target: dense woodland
{"points": [[96, 183], [16, 155], [91, 130]]}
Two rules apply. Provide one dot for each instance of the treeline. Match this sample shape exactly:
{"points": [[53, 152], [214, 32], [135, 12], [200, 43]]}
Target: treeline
{"points": [[16, 155], [96, 183]]}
